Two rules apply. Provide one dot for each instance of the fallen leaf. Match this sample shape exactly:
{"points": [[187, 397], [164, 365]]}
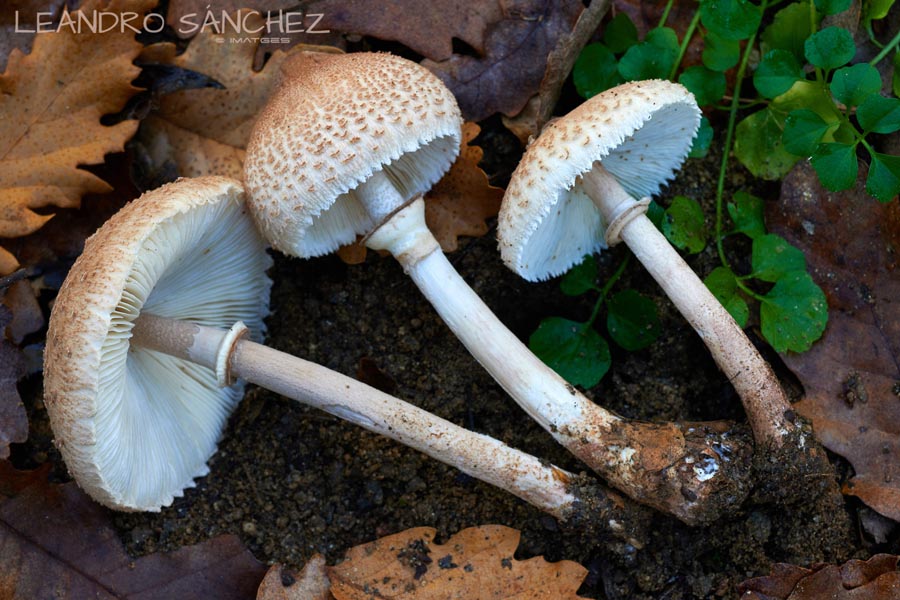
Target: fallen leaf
{"points": [[477, 562], [875, 579], [8, 262], [312, 583], [17, 24], [852, 375], [463, 199], [531, 120], [204, 131], [58, 543], [52, 101], [13, 419], [512, 66], [428, 32], [186, 16], [21, 300]]}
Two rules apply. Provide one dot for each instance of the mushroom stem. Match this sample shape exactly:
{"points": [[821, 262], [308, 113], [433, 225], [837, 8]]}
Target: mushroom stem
{"points": [[675, 469], [768, 409], [549, 488]]}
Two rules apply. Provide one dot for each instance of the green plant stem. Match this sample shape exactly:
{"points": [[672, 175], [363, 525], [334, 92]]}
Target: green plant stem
{"points": [[744, 288], [729, 138], [665, 15], [688, 34], [604, 291], [886, 50]]}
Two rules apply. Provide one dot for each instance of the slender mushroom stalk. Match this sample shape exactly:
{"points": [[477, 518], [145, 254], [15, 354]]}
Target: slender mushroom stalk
{"points": [[347, 145], [574, 193], [766, 404], [137, 400]]}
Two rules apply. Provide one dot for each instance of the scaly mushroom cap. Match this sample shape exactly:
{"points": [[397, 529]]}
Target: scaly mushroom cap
{"points": [[641, 132], [334, 120], [135, 426]]}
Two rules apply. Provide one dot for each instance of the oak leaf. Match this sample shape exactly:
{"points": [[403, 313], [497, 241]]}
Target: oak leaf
{"points": [[13, 419], [475, 563], [311, 584], [875, 579], [58, 543], [205, 131], [852, 375], [511, 68], [429, 32], [463, 199], [51, 101]]}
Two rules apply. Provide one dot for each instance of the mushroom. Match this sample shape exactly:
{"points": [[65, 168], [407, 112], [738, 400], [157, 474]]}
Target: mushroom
{"points": [[574, 193], [346, 146], [150, 329]]}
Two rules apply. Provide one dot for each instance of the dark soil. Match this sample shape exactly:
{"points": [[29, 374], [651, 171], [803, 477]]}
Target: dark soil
{"points": [[293, 481]]}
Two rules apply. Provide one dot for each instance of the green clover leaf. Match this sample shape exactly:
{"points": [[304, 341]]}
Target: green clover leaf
{"points": [[758, 145], [746, 211], [883, 181], [832, 7], [852, 85], [794, 313], [777, 73], [772, 258], [830, 48], [879, 114], [632, 320], [684, 225], [575, 351], [702, 140], [724, 286], [596, 70], [580, 278], [651, 59], [720, 54], [620, 34], [708, 86], [730, 19], [789, 29], [836, 165], [803, 130]]}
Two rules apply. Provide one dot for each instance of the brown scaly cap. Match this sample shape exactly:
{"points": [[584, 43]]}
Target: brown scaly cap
{"points": [[134, 426], [641, 132], [334, 121]]}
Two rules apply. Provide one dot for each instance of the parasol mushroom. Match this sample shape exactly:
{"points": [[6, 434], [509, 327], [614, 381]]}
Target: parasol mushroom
{"points": [[148, 332], [346, 146], [576, 190]]}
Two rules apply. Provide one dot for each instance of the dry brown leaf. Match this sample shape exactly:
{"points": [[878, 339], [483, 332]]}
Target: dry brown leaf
{"points": [[17, 17], [205, 131], [21, 299], [511, 68], [852, 375], [460, 202], [429, 32], [8, 262], [57, 543], [312, 583], [13, 420], [475, 563], [51, 101], [875, 579]]}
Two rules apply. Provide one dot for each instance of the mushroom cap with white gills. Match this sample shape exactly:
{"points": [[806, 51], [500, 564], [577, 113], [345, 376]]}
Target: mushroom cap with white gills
{"points": [[345, 141], [582, 185], [346, 146], [136, 426], [640, 132], [140, 357]]}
